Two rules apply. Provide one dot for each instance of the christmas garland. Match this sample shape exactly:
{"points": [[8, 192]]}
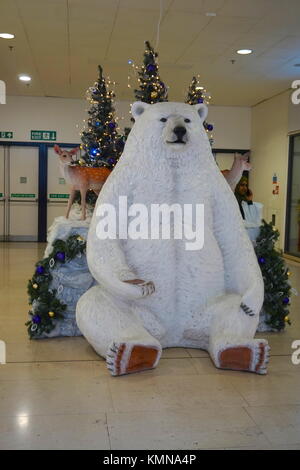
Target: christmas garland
{"points": [[46, 307]]}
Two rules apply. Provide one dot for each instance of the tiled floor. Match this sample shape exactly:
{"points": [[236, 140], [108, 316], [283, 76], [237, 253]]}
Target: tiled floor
{"points": [[57, 393]]}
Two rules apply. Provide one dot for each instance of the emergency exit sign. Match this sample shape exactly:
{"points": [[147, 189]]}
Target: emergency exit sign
{"points": [[6, 135], [43, 135]]}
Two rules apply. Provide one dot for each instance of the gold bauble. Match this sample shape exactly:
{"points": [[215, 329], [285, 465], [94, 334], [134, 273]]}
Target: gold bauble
{"points": [[153, 94], [286, 318], [289, 273], [80, 239], [51, 314], [35, 286]]}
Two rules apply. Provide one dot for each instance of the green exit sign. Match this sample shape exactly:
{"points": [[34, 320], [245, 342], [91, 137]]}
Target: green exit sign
{"points": [[43, 135], [6, 135], [59, 196]]}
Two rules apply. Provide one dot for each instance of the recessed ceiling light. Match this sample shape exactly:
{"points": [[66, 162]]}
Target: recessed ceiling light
{"points": [[244, 51], [7, 36], [210, 14], [24, 78]]}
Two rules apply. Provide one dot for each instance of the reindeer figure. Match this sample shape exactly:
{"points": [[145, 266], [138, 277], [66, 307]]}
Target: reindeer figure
{"points": [[80, 178], [239, 165]]}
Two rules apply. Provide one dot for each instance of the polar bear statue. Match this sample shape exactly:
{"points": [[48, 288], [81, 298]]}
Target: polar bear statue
{"points": [[154, 292]]}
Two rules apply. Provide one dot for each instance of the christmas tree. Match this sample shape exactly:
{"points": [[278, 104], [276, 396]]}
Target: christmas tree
{"points": [[152, 89], [101, 142], [198, 94], [276, 278]]}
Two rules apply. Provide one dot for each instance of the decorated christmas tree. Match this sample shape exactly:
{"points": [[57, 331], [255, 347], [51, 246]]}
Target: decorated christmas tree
{"points": [[276, 278], [198, 94], [101, 143], [152, 89]]}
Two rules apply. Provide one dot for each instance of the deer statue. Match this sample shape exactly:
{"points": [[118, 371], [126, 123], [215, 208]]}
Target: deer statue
{"points": [[80, 178], [239, 165]]}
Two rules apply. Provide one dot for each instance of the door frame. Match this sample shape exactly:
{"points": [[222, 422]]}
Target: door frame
{"points": [[43, 179], [288, 208]]}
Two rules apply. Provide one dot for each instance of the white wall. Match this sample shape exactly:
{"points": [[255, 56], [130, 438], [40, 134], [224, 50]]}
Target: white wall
{"points": [[65, 116], [269, 155]]}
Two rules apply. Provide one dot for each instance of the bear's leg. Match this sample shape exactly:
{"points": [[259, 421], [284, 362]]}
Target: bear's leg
{"points": [[231, 337], [116, 333]]}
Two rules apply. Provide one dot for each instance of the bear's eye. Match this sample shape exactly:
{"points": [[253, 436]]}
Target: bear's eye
{"points": [[187, 120], [163, 119]]}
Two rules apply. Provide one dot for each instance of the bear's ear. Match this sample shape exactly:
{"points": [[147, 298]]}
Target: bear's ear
{"points": [[202, 110], [138, 108]]}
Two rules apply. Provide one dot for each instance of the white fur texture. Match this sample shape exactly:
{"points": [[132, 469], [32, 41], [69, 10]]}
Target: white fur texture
{"points": [[198, 294]]}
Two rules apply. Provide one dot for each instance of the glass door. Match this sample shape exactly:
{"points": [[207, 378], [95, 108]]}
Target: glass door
{"points": [[23, 181], [292, 238]]}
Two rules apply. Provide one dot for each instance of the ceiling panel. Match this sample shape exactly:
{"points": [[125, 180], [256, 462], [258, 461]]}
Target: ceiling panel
{"points": [[61, 42]]}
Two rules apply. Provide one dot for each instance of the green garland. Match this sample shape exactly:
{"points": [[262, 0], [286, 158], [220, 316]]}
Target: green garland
{"points": [[47, 307], [276, 278]]}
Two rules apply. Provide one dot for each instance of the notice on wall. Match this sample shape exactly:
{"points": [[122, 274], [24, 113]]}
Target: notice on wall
{"points": [[43, 135]]}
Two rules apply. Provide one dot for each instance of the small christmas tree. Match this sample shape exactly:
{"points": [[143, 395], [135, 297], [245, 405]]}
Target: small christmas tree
{"points": [[275, 274], [198, 94], [101, 142], [152, 89]]}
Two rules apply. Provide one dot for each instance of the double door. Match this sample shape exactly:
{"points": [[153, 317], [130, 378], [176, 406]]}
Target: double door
{"points": [[32, 190]]}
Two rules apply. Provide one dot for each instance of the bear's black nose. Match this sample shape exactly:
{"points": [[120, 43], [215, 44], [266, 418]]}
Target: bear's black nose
{"points": [[179, 131]]}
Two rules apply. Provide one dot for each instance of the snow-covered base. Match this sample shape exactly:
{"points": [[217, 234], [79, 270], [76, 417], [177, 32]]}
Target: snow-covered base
{"points": [[263, 326], [72, 279]]}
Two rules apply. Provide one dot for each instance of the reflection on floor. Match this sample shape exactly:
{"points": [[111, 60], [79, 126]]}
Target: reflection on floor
{"points": [[57, 394]]}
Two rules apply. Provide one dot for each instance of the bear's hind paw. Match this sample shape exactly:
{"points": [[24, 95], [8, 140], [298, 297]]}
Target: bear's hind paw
{"points": [[127, 358]]}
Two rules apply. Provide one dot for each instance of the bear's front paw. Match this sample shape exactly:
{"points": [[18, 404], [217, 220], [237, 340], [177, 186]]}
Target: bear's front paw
{"points": [[145, 287]]}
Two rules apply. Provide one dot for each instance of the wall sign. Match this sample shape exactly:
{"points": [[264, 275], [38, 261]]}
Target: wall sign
{"points": [[58, 196], [6, 135], [17, 195], [43, 135]]}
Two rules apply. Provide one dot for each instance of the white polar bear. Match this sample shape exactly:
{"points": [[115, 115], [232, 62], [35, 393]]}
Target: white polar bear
{"points": [[154, 293]]}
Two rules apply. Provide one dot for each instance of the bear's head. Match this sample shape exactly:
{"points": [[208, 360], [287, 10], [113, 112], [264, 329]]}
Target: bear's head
{"points": [[173, 129]]}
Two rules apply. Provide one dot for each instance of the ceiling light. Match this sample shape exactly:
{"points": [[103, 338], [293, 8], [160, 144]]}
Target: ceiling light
{"points": [[24, 78], [244, 51], [7, 36], [210, 14]]}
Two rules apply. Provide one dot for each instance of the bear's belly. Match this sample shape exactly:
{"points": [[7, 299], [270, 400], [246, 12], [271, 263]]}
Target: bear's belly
{"points": [[184, 280]]}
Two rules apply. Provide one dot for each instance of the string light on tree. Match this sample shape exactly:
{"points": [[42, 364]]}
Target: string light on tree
{"points": [[101, 142], [198, 94]]}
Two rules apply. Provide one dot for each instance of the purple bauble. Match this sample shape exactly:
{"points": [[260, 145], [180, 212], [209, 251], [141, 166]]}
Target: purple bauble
{"points": [[60, 256], [286, 300], [261, 260], [210, 127], [200, 100], [40, 270], [111, 125], [151, 68], [36, 319], [111, 161]]}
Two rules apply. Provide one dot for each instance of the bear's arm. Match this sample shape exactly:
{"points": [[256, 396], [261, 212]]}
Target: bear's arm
{"points": [[241, 269], [105, 257]]}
